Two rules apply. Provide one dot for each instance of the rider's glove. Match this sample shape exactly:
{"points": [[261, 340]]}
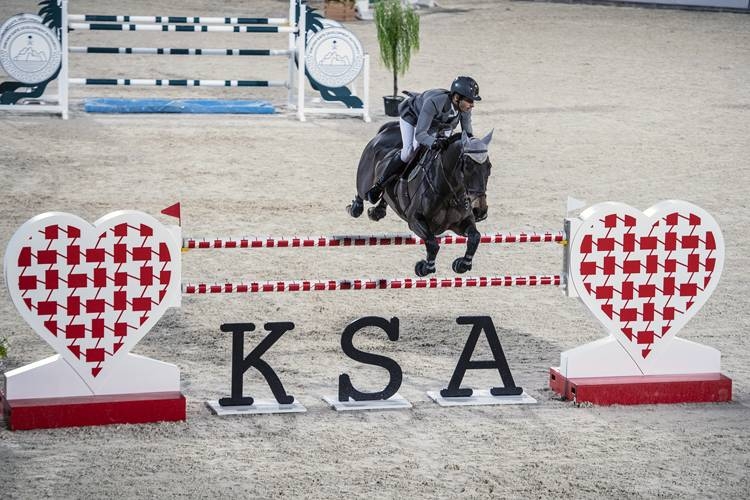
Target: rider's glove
{"points": [[440, 144]]}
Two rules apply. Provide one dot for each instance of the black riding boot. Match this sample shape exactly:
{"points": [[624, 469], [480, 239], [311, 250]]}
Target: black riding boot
{"points": [[394, 167]]}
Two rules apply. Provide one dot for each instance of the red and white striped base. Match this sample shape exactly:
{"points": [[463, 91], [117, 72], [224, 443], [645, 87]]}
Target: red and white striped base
{"points": [[368, 284]]}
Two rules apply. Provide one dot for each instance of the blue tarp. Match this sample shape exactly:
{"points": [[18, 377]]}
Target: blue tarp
{"points": [[200, 106]]}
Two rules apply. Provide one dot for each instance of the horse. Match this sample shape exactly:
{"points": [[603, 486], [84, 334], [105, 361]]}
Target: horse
{"points": [[441, 191]]}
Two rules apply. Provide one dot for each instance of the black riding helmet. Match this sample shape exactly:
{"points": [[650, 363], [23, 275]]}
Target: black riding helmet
{"points": [[466, 87]]}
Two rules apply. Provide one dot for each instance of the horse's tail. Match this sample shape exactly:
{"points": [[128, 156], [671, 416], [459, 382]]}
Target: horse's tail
{"points": [[368, 162]]}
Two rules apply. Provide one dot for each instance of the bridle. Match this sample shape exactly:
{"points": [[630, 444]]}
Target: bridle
{"points": [[463, 166]]}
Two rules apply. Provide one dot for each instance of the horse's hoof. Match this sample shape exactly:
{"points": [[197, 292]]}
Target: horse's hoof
{"points": [[422, 268], [376, 213], [461, 265], [356, 208]]}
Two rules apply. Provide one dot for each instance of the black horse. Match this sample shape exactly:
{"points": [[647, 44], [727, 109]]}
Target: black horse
{"points": [[441, 191]]}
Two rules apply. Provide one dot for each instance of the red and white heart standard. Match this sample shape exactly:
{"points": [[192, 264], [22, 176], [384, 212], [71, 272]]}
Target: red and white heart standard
{"points": [[645, 274], [92, 291]]}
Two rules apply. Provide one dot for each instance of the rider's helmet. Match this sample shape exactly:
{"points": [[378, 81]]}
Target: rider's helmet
{"points": [[466, 87]]}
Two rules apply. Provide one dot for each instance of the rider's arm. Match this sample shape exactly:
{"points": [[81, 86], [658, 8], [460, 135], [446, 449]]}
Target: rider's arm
{"points": [[466, 123], [426, 115]]}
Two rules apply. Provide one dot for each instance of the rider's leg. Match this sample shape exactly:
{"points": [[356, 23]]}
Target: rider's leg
{"points": [[397, 163], [376, 191], [407, 139]]}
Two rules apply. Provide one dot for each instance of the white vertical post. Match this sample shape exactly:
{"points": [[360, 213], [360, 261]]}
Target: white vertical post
{"points": [[302, 28], [366, 90], [571, 226], [62, 79], [291, 46]]}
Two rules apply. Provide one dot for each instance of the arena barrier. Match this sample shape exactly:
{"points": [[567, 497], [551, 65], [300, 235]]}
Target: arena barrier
{"points": [[92, 291], [294, 53]]}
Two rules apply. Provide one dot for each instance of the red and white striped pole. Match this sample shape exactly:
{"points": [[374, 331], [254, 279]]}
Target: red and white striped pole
{"points": [[363, 240], [368, 284]]}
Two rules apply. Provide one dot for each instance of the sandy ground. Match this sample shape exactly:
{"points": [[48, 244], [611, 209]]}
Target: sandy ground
{"points": [[602, 103]]}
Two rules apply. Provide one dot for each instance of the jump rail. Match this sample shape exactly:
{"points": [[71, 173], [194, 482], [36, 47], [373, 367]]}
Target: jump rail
{"points": [[179, 52], [368, 284], [195, 24], [182, 28], [99, 18], [201, 24], [364, 240], [177, 83]]}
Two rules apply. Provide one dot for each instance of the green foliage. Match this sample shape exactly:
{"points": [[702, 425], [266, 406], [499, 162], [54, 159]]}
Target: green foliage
{"points": [[398, 36], [3, 348]]}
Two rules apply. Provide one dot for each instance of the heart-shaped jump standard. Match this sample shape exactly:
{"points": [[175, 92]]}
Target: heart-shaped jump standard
{"points": [[644, 275], [92, 291]]}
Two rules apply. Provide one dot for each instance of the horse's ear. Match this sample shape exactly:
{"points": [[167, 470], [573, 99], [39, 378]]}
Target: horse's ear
{"points": [[464, 138], [487, 138]]}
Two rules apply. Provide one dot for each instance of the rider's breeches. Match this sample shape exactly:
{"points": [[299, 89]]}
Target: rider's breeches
{"points": [[407, 139]]}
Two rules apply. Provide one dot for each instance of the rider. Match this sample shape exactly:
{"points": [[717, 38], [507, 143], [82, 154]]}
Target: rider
{"points": [[428, 118]]}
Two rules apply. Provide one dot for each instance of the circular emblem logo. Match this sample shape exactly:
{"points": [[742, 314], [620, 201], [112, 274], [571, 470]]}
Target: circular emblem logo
{"points": [[334, 57], [29, 51]]}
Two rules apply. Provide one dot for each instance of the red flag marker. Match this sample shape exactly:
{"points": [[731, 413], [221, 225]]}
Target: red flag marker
{"points": [[173, 211]]}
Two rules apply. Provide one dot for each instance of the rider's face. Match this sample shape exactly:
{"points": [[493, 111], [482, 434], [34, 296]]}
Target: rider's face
{"points": [[465, 105]]}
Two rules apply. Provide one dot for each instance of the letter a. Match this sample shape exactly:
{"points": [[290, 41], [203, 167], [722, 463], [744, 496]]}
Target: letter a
{"points": [[481, 323]]}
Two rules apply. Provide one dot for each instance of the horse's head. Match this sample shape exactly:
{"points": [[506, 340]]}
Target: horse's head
{"points": [[459, 174], [475, 166]]}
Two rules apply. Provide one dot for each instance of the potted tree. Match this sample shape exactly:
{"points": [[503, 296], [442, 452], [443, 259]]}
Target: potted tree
{"points": [[397, 27]]}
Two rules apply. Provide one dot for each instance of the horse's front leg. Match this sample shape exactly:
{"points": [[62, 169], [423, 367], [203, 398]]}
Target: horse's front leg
{"points": [[463, 264], [427, 266]]}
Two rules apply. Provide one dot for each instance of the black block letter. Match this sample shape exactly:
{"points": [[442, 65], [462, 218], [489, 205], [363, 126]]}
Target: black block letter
{"points": [[481, 323], [241, 364], [346, 389]]}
